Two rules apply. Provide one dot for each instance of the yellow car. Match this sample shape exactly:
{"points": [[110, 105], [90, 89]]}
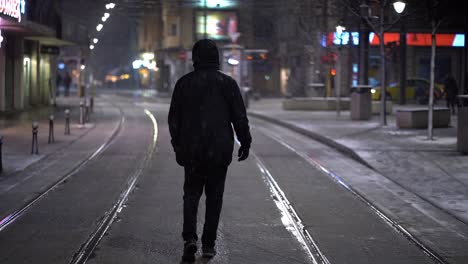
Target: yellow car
{"points": [[416, 89]]}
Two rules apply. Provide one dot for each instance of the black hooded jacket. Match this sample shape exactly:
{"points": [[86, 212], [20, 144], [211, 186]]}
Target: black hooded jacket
{"points": [[206, 105]]}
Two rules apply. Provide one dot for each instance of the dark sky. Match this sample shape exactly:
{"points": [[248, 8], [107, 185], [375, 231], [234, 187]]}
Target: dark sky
{"points": [[117, 40]]}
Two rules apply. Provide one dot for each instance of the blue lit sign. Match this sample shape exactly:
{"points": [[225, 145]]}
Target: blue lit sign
{"points": [[343, 39], [23, 6]]}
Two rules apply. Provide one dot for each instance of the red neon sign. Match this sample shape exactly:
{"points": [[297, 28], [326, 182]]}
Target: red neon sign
{"points": [[11, 8], [417, 39]]}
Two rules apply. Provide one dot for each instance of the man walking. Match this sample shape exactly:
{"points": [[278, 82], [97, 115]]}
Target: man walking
{"points": [[451, 92], [206, 105]]}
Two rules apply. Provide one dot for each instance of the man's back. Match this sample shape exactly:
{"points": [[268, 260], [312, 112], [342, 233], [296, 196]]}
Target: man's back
{"points": [[204, 105]]}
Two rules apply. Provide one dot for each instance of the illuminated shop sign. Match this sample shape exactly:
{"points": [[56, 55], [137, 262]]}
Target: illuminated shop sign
{"points": [[412, 39], [219, 24], [13, 8]]}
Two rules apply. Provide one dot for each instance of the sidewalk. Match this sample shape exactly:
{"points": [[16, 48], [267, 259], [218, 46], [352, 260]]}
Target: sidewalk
{"points": [[433, 170], [25, 176], [16, 129]]}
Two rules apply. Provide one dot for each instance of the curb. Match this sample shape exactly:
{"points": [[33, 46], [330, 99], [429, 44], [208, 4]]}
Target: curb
{"points": [[315, 136]]}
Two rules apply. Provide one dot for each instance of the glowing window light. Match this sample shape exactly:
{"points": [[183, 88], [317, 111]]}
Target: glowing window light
{"points": [[217, 3], [233, 61], [148, 56]]}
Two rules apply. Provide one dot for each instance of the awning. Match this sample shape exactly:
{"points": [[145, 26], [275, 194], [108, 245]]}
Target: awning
{"points": [[52, 41], [34, 31]]}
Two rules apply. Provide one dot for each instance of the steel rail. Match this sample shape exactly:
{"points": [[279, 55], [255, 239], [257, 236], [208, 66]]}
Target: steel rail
{"points": [[11, 218], [87, 248], [287, 209], [437, 258]]}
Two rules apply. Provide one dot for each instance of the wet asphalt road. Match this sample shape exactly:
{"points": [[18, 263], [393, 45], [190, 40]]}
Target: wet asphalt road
{"points": [[253, 228]]}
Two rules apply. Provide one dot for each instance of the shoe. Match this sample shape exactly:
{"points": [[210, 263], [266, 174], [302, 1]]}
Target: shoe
{"points": [[190, 248], [209, 252]]}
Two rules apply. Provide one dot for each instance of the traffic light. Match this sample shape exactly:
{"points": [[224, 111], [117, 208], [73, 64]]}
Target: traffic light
{"points": [[332, 71], [256, 57]]}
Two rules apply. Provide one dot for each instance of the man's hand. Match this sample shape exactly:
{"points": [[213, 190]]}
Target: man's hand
{"points": [[243, 153]]}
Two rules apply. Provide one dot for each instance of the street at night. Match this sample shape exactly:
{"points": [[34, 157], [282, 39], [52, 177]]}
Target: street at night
{"points": [[117, 117]]}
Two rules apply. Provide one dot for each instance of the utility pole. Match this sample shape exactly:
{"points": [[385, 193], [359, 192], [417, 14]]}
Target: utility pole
{"points": [[430, 129], [383, 69], [205, 17], [363, 53], [402, 91]]}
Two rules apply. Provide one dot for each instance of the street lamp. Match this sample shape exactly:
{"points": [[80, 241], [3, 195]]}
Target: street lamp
{"points": [[399, 6], [95, 40], [91, 47], [110, 6], [380, 28], [99, 27]]}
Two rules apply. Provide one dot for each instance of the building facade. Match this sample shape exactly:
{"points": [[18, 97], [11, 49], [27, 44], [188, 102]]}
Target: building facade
{"points": [[27, 58], [171, 28]]}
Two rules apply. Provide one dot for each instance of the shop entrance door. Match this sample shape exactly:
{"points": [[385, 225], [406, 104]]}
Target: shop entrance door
{"points": [[26, 81], [9, 76]]}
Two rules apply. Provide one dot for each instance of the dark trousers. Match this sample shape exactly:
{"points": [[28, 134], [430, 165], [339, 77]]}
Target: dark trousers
{"points": [[211, 178], [452, 103]]}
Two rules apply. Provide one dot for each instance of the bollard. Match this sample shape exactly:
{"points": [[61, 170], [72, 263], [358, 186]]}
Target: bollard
{"points": [[91, 104], [35, 130], [67, 122], [82, 120], [51, 129], [87, 113], [1, 155]]}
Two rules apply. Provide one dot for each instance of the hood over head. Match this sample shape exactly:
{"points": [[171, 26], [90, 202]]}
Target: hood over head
{"points": [[205, 54]]}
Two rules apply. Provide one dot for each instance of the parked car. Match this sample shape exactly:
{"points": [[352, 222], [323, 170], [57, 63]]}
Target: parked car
{"points": [[416, 89]]}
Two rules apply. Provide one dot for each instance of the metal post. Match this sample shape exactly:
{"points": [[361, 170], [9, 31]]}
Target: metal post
{"points": [[82, 118], [67, 122], [402, 95], [430, 129], [86, 111], [51, 129], [205, 10], [91, 104], [35, 130], [364, 54], [383, 70], [338, 81], [1, 155]]}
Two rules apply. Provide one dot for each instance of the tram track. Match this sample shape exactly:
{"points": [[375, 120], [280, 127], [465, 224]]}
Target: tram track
{"points": [[88, 247], [437, 258], [293, 223], [16, 214]]}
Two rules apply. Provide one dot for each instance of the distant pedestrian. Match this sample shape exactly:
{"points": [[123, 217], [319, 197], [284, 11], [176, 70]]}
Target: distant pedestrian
{"points": [[451, 92], [67, 82], [206, 105], [58, 82]]}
